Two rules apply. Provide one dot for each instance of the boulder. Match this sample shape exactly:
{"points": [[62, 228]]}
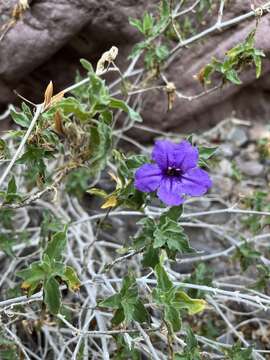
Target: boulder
{"points": [[50, 37]]}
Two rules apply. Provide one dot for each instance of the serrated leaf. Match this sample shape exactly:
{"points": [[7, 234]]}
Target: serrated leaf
{"points": [[171, 234]]}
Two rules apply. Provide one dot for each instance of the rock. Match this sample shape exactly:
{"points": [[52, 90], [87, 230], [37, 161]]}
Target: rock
{"points": [[258, 132], [226, 150], [237, 136], [250, 153], [225, 167], [50, 38], [222, 185], [250, 168]]}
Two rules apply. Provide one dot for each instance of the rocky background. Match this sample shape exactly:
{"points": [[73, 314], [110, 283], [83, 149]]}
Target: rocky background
{"points": [[48, 39]]}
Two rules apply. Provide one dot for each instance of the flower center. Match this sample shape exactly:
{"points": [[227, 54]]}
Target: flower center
{"points": [[173, 171]]}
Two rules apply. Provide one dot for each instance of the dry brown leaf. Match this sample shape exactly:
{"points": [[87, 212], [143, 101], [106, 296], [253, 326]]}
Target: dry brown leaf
{"points": [[58, 123], [57, 97], [48, 95]]}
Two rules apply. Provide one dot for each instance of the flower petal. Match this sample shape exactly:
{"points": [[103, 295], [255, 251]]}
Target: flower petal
{"points": [[170, 191], [186, 156], [148, 177], [163, 153], [180, 156], [195, 182]]}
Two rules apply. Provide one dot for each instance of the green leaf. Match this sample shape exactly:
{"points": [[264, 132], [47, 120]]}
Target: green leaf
{"points": [[183, 301], [150, 257], [161, 52], [120, 104], [148, 23], [174, 213], [165, 9], [140, 313], [118, 317], [33, 277], [163, 281], [247, 255], [207, 152], [57, 245], [71, 278], [6, 243], [87, 65], [129, 306], [258, 64], [232, 76], [71, 106], [236, 353], [137, 23], [191, 350], [11, 194], [100, 146], [12, 188], [98, 192], [113, 302], [172, 317], [20, 118], [171, 234], [52, 295]]}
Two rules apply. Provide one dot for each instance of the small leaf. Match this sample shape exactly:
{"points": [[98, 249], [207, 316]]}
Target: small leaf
{"points": [[172, 316], [98, 192], [52, 295], [20, 118], [183, 301], [232, 76], [120, 104], [164, 283], [57, 245], [71, 278], [87, 65], [111, 202], [113, 302]]}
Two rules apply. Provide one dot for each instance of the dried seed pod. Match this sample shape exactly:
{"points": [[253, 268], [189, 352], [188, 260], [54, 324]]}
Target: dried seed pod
{"points": [[170, 89], [107, 58]]}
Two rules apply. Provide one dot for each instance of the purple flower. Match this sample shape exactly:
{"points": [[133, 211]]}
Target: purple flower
{"points": [[174, 174]]}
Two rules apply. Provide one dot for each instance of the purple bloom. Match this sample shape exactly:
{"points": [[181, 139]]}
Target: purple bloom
{"points": [[174, 174]]}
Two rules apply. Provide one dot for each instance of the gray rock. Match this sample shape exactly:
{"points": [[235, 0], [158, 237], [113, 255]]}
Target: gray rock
{"points": [[250, 168], [250, 153], [226, 150], [225, 167], [237, 136]]}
